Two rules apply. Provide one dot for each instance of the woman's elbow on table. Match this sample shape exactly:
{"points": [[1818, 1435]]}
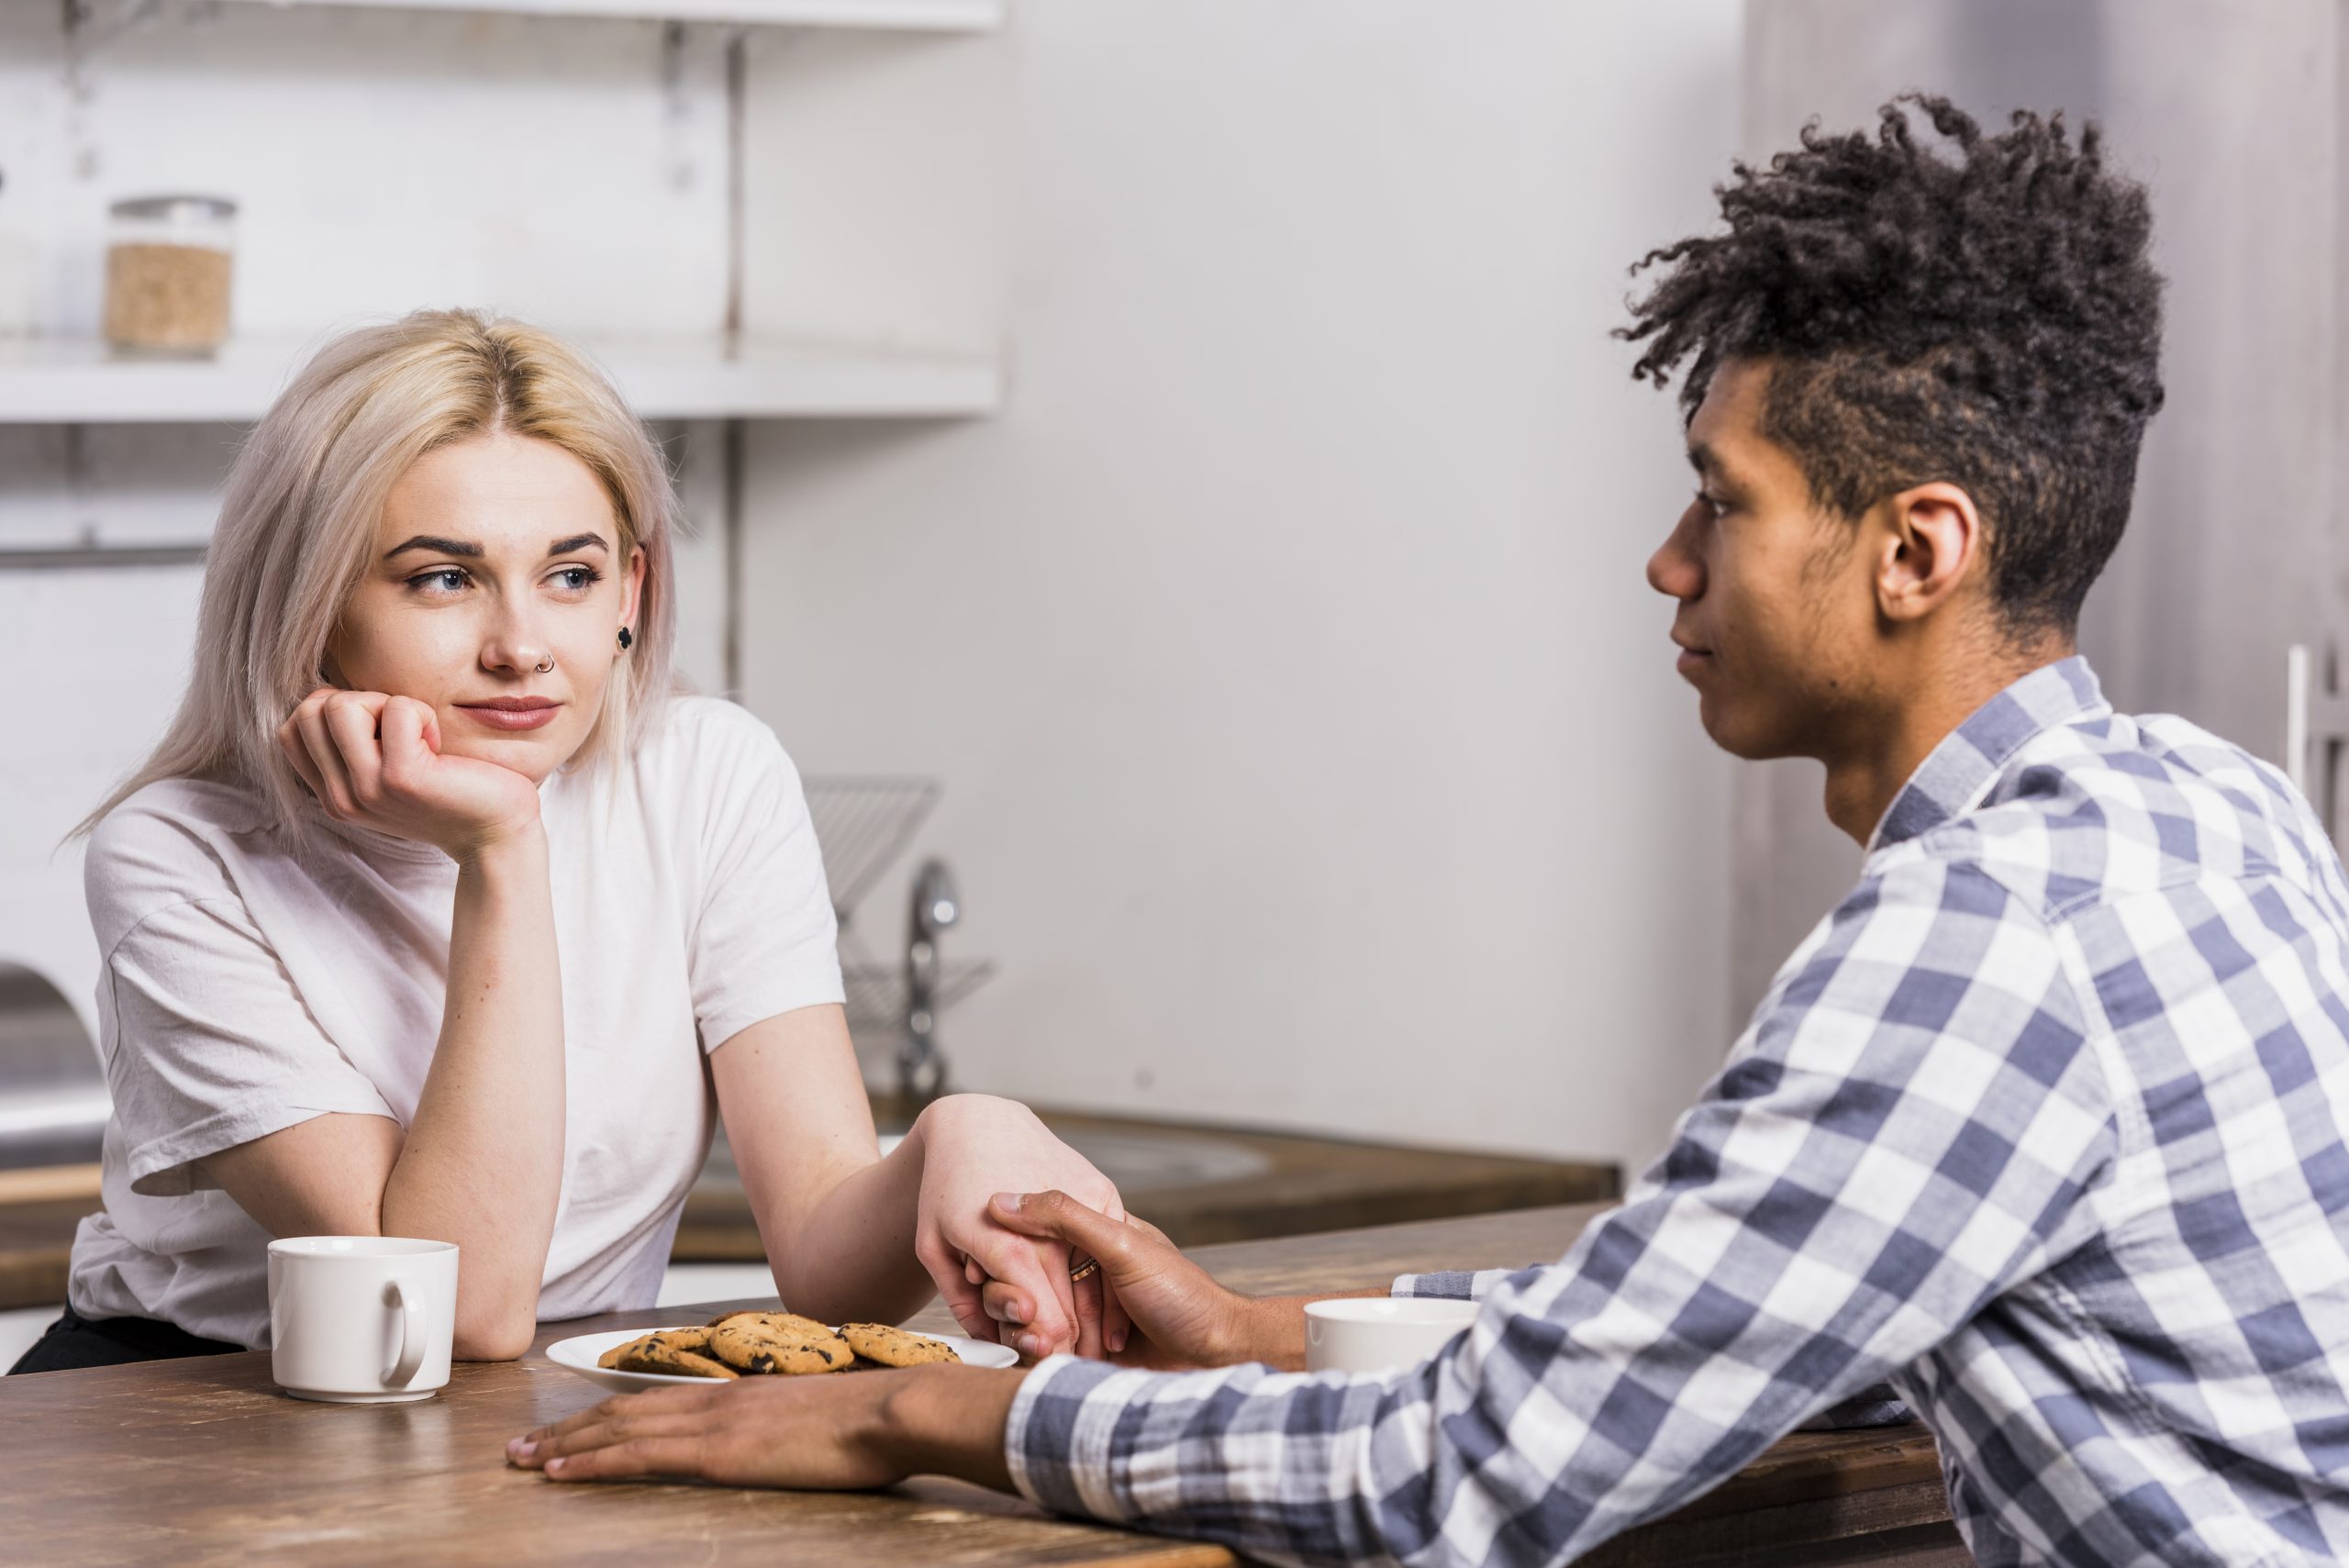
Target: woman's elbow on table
{"points": [[492, 1342], [500, 1332]]}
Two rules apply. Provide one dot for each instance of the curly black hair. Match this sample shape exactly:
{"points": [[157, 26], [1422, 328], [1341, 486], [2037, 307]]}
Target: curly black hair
{"points": [[1991, 320]]}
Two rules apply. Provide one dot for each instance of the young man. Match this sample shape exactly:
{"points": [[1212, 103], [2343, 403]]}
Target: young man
{"points": [[2043, 1124]]}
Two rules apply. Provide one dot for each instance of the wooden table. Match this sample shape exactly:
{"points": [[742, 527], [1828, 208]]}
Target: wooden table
{"points": [[202, 1461]]}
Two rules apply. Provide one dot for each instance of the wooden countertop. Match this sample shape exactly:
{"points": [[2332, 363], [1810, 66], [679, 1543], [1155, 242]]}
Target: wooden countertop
{"points": [[35, 1241], [202, 1461], [1308, 1182]]}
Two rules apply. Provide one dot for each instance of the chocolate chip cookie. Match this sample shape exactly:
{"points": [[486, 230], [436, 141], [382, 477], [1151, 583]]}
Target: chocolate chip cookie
{"points": [[778, 1341], [670, 1352], [782, 1322], [895, 1347]]}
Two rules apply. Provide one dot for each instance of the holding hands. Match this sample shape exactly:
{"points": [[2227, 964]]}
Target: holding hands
{"points": [[375, 760], [1171, 1313], [974, 1145]]}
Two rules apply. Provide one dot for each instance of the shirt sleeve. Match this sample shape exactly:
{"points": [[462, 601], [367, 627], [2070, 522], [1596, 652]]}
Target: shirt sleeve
{"points": [[1907, 1128], [211, 1044], [764, 938], [1455, 1285]]}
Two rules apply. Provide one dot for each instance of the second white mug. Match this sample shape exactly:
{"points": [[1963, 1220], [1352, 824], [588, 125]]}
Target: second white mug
{"points": [[1369, 1333], [360, 1319]]}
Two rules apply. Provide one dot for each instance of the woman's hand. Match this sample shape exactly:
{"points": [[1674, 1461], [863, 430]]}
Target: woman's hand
{"points": [[1180, 1317], [375, 760], [975, 1146]]}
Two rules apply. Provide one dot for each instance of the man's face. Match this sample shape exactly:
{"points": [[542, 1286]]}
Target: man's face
{"points": [[1776, 609]]}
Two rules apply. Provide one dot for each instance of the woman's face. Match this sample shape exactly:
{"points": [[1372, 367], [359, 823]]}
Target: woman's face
{"points": [[497, 594]]}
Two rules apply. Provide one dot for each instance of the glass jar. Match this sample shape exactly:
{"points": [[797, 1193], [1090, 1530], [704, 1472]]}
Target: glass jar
{"points": [[168, 265]]}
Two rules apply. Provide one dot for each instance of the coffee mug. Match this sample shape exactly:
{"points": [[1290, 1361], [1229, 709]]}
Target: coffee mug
{"points": [[1369, 1333], [360, 1319]]}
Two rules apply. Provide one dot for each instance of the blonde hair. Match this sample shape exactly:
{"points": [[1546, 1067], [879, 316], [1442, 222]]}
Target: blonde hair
{"points": [[297, 526]]}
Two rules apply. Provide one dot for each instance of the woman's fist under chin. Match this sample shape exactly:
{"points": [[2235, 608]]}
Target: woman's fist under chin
{"points": [[375, 760]]}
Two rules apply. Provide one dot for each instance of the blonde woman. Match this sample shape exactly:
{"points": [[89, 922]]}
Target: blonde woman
{"points": [[437, 914]]}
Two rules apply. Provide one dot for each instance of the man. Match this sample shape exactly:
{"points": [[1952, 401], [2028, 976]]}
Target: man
{"points": [[2043, 1124]]}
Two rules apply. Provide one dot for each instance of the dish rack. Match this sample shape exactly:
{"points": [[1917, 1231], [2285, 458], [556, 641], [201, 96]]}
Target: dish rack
{"points": [[876, 993], [863, 824]]}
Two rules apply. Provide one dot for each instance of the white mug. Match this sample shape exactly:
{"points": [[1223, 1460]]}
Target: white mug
{"points": [[1370, 1333], [360, 1319]]}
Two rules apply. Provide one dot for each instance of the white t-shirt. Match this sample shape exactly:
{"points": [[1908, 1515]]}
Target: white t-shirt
{"points": [[248, 988]]}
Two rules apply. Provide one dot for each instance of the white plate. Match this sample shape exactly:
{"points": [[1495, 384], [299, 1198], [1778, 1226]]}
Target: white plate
{"points": [[579, 1352]]}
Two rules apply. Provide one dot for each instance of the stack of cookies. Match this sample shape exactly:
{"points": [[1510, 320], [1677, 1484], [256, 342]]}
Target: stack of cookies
{"points": [[756, 1343]]}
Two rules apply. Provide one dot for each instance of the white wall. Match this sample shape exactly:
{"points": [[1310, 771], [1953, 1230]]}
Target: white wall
{"points": [[1312, 746], [1313, 751]]}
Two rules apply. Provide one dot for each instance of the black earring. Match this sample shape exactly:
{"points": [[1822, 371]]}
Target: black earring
{"points": [[626, 641]]}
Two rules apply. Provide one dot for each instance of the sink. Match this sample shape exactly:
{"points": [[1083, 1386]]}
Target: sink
{"points": [[1140, 1161], [1137, 1160], [53, 1101]]}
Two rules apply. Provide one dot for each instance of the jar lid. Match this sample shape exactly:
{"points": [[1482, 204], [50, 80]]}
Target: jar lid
{"points": [[176, 208]]}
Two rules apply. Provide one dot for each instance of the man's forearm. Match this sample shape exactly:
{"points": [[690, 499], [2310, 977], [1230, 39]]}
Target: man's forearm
{"points": [[950, 1420], [1276, 1327]]}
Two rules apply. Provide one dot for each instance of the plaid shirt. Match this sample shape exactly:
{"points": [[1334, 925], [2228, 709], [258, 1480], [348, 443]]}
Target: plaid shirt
{"points": [[2044, 1125]]}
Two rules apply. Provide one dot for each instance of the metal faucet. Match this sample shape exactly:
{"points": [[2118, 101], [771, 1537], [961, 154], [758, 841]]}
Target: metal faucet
{"points": [[921, 1069]]}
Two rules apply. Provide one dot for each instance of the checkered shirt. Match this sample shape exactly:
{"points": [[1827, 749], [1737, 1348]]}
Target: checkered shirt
{"points": [[2044, 1125]]}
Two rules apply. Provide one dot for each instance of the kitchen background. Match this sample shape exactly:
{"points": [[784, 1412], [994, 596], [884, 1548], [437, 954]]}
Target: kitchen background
{"points": [[1188, 432]]}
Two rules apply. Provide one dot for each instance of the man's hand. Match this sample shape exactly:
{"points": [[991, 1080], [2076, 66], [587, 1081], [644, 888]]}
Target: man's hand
{"points": [[1180, 1318], [847, 1431]]}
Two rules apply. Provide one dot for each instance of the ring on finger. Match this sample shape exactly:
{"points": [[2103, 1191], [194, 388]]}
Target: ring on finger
{"points": [[1085, 1270]]}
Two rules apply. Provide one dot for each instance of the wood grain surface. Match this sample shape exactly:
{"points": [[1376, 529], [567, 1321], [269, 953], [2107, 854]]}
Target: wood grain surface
{"points": [[202, 1461]]}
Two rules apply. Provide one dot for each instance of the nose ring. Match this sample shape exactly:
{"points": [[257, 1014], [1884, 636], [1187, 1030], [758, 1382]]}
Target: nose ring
{"points": [[546, 664]]}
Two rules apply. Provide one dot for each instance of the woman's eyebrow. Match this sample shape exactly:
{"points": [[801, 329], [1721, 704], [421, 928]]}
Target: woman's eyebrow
{"points": [[577, 542], [436, 546]]}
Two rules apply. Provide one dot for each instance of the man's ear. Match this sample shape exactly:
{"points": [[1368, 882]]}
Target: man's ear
{"points": [[1933, 541]]}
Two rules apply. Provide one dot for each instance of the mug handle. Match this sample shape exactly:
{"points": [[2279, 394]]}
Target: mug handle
{"points": [[413, 1337]]}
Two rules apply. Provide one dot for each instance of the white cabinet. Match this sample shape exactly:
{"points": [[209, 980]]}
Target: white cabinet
{"points": [[56, 382]]}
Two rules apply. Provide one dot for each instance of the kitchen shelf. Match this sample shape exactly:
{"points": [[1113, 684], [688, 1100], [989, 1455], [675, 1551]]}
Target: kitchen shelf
{"points": [[75, 381], [919, 16]]}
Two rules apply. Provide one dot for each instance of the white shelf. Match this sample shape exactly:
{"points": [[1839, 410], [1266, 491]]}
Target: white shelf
{"points": [[924, 15], [57, 381]]}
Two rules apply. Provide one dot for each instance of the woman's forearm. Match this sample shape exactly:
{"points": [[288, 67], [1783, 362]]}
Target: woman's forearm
{"points": [[482, 1165], [850, 1258]]}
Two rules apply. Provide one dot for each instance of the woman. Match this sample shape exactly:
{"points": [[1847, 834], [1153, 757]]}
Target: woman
{"points": [[437, 914]]}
